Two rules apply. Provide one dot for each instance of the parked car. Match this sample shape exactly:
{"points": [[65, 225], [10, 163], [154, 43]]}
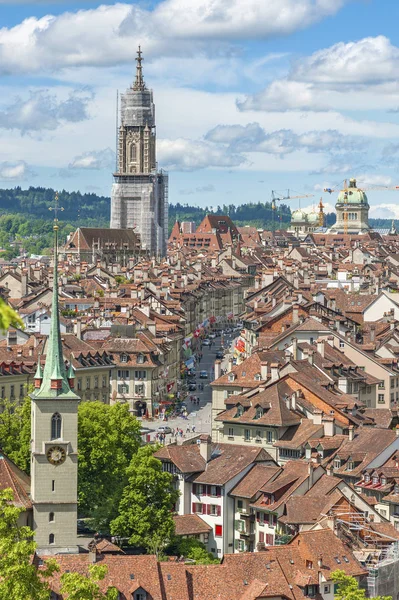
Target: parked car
{"points": [[219, 355], [240, 324], [212, 335], [206, 342], [203, 374], [191, 373], [228, 330], [164, 429], [192, 387]]}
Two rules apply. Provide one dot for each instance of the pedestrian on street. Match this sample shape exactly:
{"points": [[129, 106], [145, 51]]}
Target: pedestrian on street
{"points": [[188, 429], [193, 428]]}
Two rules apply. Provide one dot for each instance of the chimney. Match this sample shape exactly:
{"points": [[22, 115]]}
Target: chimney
{"points": [[310, 474], [317, 416], [330, 340], [263, 370], [372, 333], [320, 347], [320, 562], [205, 447], [295, 348], [93, 555], [230, 364], [275, 371], [310, 357], [78, 328], [352, 433], [30, 351], [218, 369], [397, 430], [295, 314], [329, 427], [24, 283], [330, 470]]}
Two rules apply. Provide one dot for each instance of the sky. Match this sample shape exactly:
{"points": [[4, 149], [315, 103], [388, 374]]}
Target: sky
{"points": [[251, 95]]}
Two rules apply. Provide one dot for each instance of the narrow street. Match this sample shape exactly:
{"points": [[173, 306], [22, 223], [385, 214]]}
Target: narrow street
{"points": [[199, 416]]}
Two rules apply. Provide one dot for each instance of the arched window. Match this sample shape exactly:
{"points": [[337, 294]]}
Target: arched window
{"points": [[51, 517], [56, 421], [133, 152], [51, 538]]}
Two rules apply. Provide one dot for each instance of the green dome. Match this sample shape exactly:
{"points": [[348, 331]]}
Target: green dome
{"points": [[298, 215], [352, 195], [313, 217]]}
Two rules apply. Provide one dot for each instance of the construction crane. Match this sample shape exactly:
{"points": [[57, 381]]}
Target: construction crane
{"points": [[276, 198], [348, 190]]}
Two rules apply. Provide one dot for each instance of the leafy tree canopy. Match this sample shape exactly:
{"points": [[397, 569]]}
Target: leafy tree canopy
{"points": [[192, 549], [19, 578], [348, 588], [145, 510], [83, 587]]}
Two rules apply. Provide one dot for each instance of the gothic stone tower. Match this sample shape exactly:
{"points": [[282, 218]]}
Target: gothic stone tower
{"points": [[140, 192], [54, 444]]}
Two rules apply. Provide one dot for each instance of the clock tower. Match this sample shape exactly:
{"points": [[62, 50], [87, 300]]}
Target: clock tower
{"points": [[54, 443]]}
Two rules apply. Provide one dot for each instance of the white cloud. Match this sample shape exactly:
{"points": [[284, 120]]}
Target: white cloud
{"points": [[108, 35], [188, 155], [367, 179], [97, 159], [15, 171], [356, 75], [203, 189], [384, 211], [42, 110], [253, 138]]}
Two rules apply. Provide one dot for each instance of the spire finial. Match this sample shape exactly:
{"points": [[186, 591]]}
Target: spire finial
{"points": [[139, 83]]}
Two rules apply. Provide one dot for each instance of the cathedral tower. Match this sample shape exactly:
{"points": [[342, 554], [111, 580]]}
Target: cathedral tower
{"points": [[140, 192], [54, 443]]}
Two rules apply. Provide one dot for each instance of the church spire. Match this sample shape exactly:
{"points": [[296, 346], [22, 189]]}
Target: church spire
{"points": [[139, 84], [54, 378]]}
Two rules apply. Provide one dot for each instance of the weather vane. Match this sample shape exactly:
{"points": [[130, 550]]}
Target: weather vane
{"points": [[56, 208]]}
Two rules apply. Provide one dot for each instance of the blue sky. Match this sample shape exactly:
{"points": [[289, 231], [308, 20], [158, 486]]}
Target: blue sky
{"points": [[251, 95]]}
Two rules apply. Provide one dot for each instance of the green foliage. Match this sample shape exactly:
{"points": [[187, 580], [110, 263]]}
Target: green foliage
{"points": [[19, 578], [192, 549], [8, 317], [348, 588], [15, 432], [108, 438], [83, 587], [145, 510], [121, 279]]}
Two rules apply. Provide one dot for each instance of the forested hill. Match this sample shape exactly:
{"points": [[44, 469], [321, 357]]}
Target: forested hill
{"points": [[25, 216]]}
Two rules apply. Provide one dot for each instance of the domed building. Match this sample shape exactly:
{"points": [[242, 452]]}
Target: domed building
{"points": [[353, 210], [303, 223]]}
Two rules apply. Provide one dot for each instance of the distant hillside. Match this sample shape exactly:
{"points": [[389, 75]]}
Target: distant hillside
{"points": [[25, 216]]}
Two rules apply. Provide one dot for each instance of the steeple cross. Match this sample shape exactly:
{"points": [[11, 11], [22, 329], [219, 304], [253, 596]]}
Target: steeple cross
{"points": [[139, 83], [56, 208]]}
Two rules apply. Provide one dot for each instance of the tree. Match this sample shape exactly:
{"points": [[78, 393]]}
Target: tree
{"points": [[192, 549], [15, 432], [8, 317], [108, 438], [145, 510], [348, 588], [19, 576], [83, 587]]}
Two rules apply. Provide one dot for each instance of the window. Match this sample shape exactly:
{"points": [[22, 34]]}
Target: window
{"points": [[124, 358], [258, 433], [198, 508], [51, 538], [239, 504], [341, 344], [218, 530], [21, 390], [383, 513], [51, 517], [140, 359], [213, 490], [247, 435], [327, 589], [240, 526], [240, 411], [104, 381], [122, 388], [349, 466], [367, 478], [381, 385], [3, 392], [139, 389], [383, 480], [12, 393], [213, 510], [396, 489], [309, 564], [79, 384], [53, 486], [123, 374], [96, 382], [311, 590], [231, 431], [337, 463], [140, 374], [56, 422], [259, 412], [270, 436], [381, 399], [87, 383]]}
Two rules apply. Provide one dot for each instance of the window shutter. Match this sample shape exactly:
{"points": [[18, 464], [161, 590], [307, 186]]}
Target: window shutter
{"points": [[208, 509], [261, 536], [195, 488], [208, 490], [204, 509], [193, 508], [219, 511], [258, 516], [266, 517], [218, 491]]}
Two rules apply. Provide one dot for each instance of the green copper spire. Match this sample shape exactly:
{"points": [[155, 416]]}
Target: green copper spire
{"points": [[39, 370], [54, 368]]}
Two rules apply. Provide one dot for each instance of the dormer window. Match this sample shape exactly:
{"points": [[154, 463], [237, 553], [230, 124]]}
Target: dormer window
{"points": [[349, 466], [396, 489], [337, 463], [257, 377], [376, 480], [383, 480], [124, 358], [231, 377], [240, 411], [259, 412], [367, 478], [140, 359]]}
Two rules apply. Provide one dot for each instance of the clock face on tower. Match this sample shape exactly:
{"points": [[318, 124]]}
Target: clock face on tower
{"points": [[56, 455]]}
